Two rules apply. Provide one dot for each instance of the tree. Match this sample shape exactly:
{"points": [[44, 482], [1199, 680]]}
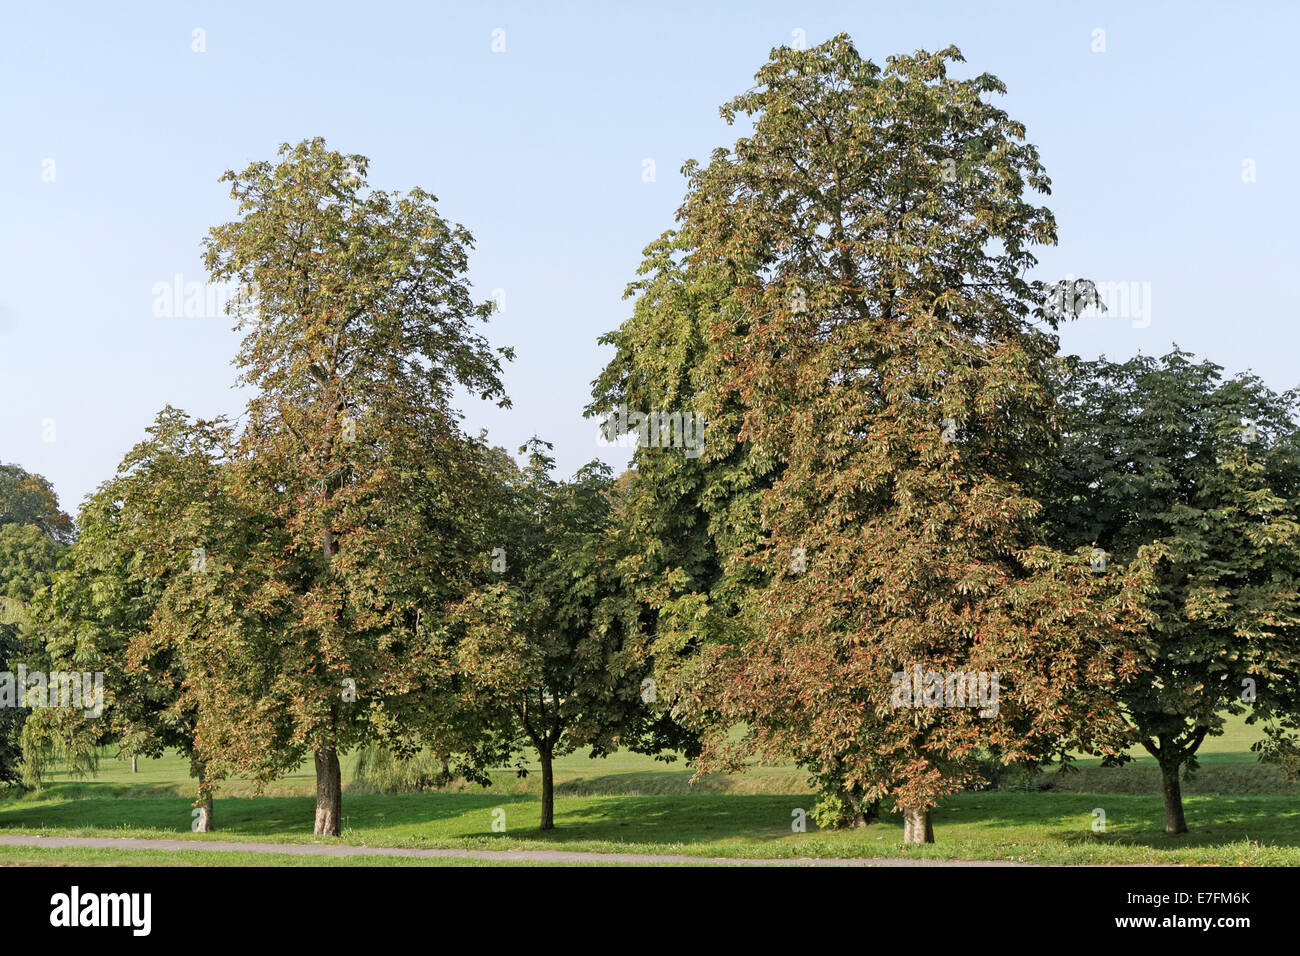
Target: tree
{"points": [[33, 536], [28, 558], [105, 611], [30, 499], [687, 517], [1167, 453], [11, 719], [552, 655], [351, 465], [876, 371]]}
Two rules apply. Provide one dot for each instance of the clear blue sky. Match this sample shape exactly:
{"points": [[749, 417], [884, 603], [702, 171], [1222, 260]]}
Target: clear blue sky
{"points": [[539, 151]]}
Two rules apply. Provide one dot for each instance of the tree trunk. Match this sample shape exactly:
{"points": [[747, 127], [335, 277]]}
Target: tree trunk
{"points": [[135, 766], [856, 812], [869, 814], [203, 823], [1175, 822], [329, 793], [917, 827], [548, 786]]}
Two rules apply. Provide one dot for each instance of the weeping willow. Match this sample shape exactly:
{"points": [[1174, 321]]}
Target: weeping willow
{"points": [[44, 736], [50, 739], [379, 769]]}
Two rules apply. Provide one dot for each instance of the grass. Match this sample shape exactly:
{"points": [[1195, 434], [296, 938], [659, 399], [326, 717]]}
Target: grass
{"points": [[94, 856], [1239, 812], [1038, 827]]}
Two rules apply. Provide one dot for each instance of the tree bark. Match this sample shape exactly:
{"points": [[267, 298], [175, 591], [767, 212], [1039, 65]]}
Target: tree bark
{"points": [[1175, 822], [135, 767], [917, 827], [204, 822], [546, 753], [858, 813], [329, 793]]}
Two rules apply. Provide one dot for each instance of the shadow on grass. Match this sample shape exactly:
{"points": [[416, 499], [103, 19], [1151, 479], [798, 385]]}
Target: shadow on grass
{"points": [[987, 818], [660, 819], [244, 816], [672, 819], [1130, 820]]}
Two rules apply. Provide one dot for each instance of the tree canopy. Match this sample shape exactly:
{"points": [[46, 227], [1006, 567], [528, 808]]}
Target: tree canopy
{"points": [[1165, 452], [350, 476], [34, 533], [846, 302]]}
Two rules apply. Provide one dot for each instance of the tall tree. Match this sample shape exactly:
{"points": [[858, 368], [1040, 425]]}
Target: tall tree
{"points": [[360, 329], [877, 370], [1168, 453]]}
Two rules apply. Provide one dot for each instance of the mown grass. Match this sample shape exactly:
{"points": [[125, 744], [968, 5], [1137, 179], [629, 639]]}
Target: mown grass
{"points": [[1239, 812], [95, 856], [1032, 827], [1227, 767]]}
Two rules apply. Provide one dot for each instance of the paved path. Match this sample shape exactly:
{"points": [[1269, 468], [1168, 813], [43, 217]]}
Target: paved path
{"points": [[538, 856]]}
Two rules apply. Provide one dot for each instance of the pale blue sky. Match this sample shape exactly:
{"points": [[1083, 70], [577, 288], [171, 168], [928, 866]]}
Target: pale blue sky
{"points": [[539, 151]]}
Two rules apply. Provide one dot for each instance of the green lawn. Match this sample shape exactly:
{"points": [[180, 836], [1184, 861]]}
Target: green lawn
{"points": [[1239, 813], [94, 856]]}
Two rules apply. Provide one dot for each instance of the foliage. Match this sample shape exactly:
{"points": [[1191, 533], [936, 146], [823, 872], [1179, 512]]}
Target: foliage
{"points": [[33, 536], [28, 499], [351, 485], [139, 535], [845, 299], [552, 655], [1167, 453]]}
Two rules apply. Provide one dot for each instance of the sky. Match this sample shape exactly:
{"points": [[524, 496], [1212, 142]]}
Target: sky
{"points": [[556, 132]]}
